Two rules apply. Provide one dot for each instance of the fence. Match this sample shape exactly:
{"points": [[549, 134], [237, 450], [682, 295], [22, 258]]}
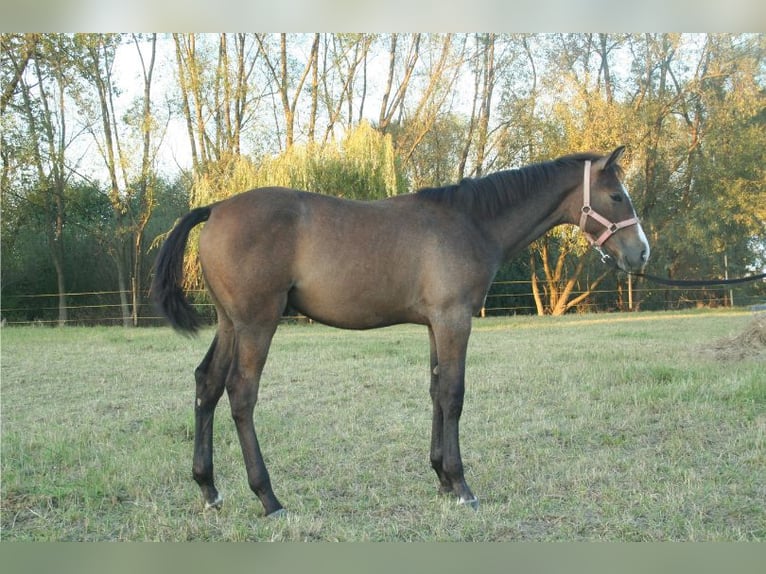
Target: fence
{"points": [[504, 298]]}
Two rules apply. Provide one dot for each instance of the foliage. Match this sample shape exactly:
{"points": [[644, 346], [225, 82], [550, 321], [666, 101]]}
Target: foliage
{"points": [[29, 281], [293, 109], [361, 166]]}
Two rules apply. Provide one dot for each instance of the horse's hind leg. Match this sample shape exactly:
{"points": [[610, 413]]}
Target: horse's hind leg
{"points": [[210, 376], [251, 349]]}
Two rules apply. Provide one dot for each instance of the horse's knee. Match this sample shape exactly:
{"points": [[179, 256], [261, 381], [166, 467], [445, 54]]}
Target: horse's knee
{"points": [[242, 415], [243, 395], [451, 402]]}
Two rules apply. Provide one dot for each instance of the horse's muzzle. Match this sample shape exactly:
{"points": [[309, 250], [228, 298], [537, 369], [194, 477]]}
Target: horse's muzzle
{"points": [[629, 254]]}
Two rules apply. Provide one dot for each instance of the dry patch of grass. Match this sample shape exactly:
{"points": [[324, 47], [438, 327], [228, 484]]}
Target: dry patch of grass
{"points": [[749, 343]]}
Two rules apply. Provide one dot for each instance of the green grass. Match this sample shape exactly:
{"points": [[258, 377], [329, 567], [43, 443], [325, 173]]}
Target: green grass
{"points": [[593, 427]]}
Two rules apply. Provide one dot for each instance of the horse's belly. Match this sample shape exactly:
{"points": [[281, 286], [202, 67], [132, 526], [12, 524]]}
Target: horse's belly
{"points": [[352, 306]]}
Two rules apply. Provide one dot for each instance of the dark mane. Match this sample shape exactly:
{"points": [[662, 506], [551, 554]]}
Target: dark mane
{"points": [[489, 196]]}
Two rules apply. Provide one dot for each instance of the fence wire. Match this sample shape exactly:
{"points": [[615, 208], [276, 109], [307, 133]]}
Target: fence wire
{"points": [[504, 298]]}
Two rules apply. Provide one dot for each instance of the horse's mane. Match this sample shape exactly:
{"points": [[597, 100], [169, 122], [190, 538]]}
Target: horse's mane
{"points": [[490, 196]]}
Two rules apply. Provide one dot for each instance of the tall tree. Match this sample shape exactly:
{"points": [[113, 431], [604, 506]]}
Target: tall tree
{"points": [[391, 104], [281, 74], [17, 50], [348, 52], [219, 92], [586, 117], [437, 79], [96, 68], [143, 203], [39, 97], [131, 178]]}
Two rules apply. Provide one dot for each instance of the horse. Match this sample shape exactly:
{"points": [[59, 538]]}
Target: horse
{"points": [[426, 257]]}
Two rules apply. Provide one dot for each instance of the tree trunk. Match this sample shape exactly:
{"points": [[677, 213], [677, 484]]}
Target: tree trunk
{"points": [[101, 51], [184, 85], [389, 110], [488, 85], [52, 184], [556, 296], [146, 183], [535, 286]]}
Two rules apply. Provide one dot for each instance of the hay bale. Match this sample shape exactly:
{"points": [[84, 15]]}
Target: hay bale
{"points": [[750, 343]]}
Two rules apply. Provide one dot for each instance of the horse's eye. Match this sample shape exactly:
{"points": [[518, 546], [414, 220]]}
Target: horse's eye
{"points": [[616, 197]]}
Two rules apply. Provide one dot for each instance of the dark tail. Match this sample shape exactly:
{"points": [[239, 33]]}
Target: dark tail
{"points": [[166, 290]]}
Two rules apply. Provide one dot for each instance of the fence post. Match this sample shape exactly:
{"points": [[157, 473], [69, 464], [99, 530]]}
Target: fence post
{"points": [[134, 290]]}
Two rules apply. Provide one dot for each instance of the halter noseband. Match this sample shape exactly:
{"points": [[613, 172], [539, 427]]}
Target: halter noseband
{"points": [[587, 211]]}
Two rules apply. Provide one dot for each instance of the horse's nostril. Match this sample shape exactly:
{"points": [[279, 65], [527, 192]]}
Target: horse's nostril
{"points": [[644, 255]]}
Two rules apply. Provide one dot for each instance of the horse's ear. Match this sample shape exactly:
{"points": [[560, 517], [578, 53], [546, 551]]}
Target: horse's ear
{"points": [[615, 157]]}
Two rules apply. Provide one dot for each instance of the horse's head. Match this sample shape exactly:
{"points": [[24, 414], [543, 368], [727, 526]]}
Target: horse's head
{"points": [[607, 216]]}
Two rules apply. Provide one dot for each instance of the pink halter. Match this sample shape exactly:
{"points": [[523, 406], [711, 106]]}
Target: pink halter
{"points": [[587, 211]]}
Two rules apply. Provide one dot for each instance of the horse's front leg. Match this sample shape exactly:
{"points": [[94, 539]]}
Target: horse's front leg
{"points": [[437, 422], [451, 344]]}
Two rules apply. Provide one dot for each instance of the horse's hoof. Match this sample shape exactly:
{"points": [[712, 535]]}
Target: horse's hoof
{"points": [[277, 513], [472, 502], [216, 504]]}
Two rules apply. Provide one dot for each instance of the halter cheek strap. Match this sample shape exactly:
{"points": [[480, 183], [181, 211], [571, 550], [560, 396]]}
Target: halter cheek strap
{"points": [[587, 211]]}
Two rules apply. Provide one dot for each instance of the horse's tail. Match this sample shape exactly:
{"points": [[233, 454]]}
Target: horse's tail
{"points": [[166, 291]]}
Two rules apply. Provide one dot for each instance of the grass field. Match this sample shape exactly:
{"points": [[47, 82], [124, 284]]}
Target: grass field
{"points": [[593, 427]]}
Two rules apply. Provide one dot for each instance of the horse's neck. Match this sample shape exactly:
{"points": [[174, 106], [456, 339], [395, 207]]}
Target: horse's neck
{"points": [[519, 225]]}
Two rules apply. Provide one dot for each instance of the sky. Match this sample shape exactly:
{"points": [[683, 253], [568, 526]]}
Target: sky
{"points": [[392, 15]]}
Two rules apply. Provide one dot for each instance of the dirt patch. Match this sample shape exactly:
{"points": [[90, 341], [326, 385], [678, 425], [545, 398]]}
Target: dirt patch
{"points": [[750, 343]]}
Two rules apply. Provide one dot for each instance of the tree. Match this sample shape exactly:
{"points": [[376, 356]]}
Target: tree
{"points": [[17, 51], [586, 117], [281, 75], [436, 160], [143, 202], [219, 91], [557, 295], [484, 87], [700, 186], [39, 98], [438, 80], [131, 180], [391, 104], [261, 109], [347, 52]]}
